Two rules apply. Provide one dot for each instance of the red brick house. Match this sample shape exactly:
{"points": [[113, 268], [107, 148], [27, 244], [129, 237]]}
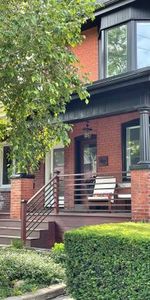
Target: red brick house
{"points": [[110, 137]]}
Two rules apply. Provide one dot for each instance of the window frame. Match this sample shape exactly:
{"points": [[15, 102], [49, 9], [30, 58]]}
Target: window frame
{"points": [[2, 185], [131, 48], [136, 50], [106, 48], [130, 124], [49, 163], [103, 69]]}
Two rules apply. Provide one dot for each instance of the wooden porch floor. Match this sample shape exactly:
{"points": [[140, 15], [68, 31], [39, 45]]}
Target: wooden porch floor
{"points": [[69, 220]]}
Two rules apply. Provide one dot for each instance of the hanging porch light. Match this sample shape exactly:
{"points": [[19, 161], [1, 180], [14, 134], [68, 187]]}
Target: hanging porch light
{"points": [[87, 131]]}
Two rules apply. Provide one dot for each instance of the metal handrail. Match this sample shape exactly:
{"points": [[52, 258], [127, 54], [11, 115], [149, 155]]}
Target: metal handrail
{"points": [[77, 191], [34, 211]]}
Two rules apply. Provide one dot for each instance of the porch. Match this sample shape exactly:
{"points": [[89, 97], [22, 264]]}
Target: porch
{"points": [[119, 138], [102, 193]]}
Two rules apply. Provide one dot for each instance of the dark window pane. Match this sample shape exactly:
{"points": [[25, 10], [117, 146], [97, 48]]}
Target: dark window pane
{"points": [[143, 45], [6, 164], [116, 44]]}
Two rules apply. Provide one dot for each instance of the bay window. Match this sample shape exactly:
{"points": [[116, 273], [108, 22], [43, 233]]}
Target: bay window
{"points": [[143, 44], [116, 45], [125, 47]]}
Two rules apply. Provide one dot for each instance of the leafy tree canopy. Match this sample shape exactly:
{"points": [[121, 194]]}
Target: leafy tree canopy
{"points": [[38, 73]]}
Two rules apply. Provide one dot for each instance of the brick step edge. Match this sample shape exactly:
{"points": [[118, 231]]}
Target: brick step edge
{"points": [[50, 292]]}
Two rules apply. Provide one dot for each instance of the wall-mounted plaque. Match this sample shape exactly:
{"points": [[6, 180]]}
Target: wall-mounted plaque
{"points": [[103, 161]]}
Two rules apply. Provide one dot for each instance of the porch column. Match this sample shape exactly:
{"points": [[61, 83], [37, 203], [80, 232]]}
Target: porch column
{"points": [[140, 173], [144, 136], [22, 188]]}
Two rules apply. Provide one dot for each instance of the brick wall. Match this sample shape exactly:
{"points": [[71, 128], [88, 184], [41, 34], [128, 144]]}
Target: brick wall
{"points": [[4, 201], [140, 191], [87, 53], [109, 141], [39, 180], [21, 189]]}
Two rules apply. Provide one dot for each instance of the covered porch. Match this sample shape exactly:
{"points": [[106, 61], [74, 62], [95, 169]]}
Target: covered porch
{"points": [[104, 174], [109, 141]]}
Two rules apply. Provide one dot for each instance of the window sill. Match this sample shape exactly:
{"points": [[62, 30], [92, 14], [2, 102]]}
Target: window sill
{"points": [[124, 184], [5, 188]]}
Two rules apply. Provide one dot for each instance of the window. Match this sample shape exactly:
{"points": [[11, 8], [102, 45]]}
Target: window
{"points": [[126, 48], [58, 165], [4, 165], [116, 50], [58, 160], [89, 158], [143, 44], [132, 146]]}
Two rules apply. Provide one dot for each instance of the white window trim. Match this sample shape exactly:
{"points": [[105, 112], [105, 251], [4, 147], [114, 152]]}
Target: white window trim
{"points": [[49, 161], [128, 154]]}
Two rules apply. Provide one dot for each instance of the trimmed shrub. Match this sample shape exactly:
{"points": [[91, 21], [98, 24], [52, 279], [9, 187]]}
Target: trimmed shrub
{"points": [[109, 262], [58, 253]]}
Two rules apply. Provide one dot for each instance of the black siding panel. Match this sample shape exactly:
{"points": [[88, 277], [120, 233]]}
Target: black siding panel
{"points": [[106, 104], [126, 14]]}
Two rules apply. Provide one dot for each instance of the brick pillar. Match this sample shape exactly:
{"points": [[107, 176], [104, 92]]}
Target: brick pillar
{"points": [[21, 189], [140, 193]]}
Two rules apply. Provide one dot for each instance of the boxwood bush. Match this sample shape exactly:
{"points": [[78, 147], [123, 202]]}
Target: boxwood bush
{"points": [[109, 262], [58, 253]]}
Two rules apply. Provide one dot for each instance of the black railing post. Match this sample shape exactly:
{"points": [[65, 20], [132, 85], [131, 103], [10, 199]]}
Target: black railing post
{"points": [[23, 220], [56, 191]]}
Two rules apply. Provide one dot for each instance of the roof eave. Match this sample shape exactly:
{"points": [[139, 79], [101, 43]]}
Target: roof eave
{"points": [[117, 82], [111, 5]]}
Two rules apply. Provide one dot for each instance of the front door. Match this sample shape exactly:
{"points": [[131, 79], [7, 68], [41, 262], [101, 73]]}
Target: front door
{"points": [[86, 156], [86, 166]]}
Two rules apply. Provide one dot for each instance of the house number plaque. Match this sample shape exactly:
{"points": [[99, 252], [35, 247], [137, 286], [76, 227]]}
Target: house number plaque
{"points": [[103, 161]]}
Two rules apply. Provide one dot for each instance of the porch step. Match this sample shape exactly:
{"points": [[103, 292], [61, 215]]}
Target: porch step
{"points": [[4, 215], [17, 224], [41, 237], [8, 239], [14, 231]]}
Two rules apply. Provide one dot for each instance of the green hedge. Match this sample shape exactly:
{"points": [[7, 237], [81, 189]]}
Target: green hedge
{"points": [[109, 262]]}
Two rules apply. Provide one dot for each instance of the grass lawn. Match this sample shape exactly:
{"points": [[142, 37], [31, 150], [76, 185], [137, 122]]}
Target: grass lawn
{"points": [[24, 271]]}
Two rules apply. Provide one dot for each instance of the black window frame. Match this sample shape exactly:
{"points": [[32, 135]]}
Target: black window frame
{"points": [[6, 162], [132, 123], [131, 48], [106, 45], [135, 33]]}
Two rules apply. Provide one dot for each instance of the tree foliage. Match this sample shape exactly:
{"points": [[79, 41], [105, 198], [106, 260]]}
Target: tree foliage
{"points": [[38, 73]]}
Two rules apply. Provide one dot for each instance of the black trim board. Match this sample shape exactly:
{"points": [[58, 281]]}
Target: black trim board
{"points": [[115, 95]]}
